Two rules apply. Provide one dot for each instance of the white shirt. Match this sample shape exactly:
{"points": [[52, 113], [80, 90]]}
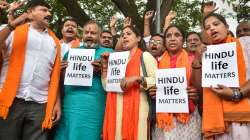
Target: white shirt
{"points": [[39, 61], [65, 48], [245, 41]]}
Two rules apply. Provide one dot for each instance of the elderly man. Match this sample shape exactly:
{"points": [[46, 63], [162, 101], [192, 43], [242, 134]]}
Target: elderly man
{"points": [[243, 29], [83, 107], [193, 42]]}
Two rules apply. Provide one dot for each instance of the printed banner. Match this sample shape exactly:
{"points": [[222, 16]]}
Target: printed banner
{"points": [[219, 66], [80, 70], [116, 70], [171, 94]]}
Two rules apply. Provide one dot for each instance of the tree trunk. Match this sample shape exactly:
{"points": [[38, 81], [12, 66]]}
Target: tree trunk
{"points": [[75, 11], [129, 9]]}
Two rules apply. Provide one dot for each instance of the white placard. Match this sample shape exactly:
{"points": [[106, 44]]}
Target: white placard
{"points": [[80, 70], [116, 70], [171, 94], [219, 66]]}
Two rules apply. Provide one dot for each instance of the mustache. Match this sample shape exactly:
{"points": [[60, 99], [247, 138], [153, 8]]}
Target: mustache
{"points": [[89, 39]]}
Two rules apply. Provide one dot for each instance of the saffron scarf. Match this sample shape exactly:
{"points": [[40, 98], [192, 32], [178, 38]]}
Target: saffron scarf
{"points": [[14, 73], [218, 112], [165, 120], [131, 101], [75, 43]]}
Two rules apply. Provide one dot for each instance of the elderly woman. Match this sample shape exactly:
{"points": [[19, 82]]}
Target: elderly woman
{"points": [[127, 113], [226, 111], [177, 125]]}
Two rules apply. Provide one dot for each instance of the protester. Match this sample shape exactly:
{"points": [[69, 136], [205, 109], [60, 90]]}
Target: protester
{"points": [[178, 125], [243, 29], [106, 39], [69, 36], [243, 33], [223, 107], [127, 113], [83, 107], [193, 42], [30, 76], [156, 46]]}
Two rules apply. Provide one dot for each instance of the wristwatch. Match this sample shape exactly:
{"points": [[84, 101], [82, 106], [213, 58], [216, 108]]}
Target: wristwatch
{"points": [[237, 95]]}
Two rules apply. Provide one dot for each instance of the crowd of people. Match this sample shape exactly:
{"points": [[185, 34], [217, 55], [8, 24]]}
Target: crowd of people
{"points": [[36, 105]]}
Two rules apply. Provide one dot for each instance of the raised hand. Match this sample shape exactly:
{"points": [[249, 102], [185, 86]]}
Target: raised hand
{"points": [[171, 15], [127, 22], [148, 15], [208, 7], [113, 21], [4, 4], [14, 6], [19, 20]]}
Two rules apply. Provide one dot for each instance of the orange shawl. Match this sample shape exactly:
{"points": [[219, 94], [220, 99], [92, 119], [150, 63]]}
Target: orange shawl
{"points": [[75, 43], [217, 111], [14, 74], [165, 120], [131, 100]]}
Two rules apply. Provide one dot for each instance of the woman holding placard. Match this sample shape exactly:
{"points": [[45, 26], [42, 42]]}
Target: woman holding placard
{"points": [[178, 125], [226, 111], [126, 113]]}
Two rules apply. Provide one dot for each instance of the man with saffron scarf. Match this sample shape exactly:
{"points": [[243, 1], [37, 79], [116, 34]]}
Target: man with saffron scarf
{"points": [[29, 103]]}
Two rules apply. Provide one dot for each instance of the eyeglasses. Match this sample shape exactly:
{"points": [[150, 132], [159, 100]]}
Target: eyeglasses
{"points": [[155, 42]]}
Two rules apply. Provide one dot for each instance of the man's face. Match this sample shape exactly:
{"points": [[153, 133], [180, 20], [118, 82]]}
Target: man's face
{"points": [[91, 34], [40, 15], [69, 30], [106, 40], [155, 46], [243, 30], [193, 41]]}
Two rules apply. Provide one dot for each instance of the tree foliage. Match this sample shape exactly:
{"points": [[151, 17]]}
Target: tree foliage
{"points": [[188, 11]]}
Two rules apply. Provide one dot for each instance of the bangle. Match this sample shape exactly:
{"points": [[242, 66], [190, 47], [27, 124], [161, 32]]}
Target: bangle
{"points": [[11, 28]]}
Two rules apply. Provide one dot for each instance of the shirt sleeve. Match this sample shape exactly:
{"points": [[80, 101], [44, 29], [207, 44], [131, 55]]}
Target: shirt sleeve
{"points": [[151, 67]]}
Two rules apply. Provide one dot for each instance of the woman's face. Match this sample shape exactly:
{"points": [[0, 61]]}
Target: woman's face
{"points": [[174, 40], [129, 39], [216, 30]]}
